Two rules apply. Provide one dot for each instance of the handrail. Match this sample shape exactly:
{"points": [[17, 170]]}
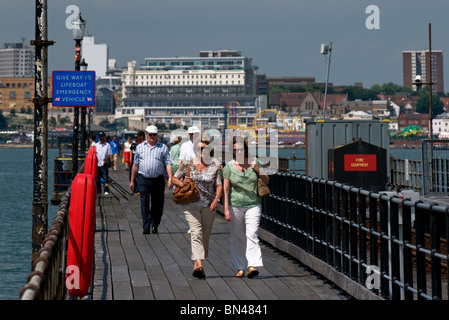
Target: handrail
{"points": [[47, 279], [362, 234]]}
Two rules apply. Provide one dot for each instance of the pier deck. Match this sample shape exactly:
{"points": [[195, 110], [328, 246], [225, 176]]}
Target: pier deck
{"points": [[132, 266]]}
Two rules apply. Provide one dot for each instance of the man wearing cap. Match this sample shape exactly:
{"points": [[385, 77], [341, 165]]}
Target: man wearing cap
{"points": [[103, 153], [186, 151], [151, 161]]}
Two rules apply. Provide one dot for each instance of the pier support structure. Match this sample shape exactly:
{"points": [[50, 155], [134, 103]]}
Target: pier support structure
{"points": [[41, 100]]}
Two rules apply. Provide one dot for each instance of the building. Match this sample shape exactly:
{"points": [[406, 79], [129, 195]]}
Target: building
{"points": [[96, 56], [17, 60], [308, 104], [16, 93], [417, 63], [217, 89], [413, 118]]}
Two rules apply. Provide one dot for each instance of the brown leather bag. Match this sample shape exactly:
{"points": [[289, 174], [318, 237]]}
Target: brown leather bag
{"points": [[262, 188], [187, 193]]}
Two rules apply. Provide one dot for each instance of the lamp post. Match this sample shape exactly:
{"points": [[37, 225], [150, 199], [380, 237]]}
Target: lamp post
{"points": [[429, 179], [79, 25], [418, 83], [83, 67], [326, 49]]}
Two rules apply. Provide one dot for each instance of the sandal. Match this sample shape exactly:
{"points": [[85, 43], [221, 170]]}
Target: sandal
{"points": [[252, 272], [240, 273], [199, 273]]}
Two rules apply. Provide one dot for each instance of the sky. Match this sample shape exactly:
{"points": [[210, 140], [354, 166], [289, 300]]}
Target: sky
{"points": [[283, 37]]}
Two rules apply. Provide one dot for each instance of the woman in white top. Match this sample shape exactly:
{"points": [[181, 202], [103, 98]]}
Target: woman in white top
{"points": [[127, 153]]}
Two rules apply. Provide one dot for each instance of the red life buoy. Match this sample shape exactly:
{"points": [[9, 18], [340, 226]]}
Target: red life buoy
{"points": [[80, 253], [91, 162]]}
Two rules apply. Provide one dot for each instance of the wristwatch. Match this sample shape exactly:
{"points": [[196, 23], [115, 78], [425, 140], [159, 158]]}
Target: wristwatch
{"points": [[217, 199]]}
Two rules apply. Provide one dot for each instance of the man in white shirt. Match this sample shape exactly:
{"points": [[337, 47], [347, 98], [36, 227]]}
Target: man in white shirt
{"points": [[104, 151], [186, 151], [151, 161]]}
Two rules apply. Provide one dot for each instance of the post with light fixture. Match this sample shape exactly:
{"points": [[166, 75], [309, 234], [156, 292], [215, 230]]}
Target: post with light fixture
{"points": [[78, 27], [326, 50], [83, 67], [428, 178], [418, 83]]}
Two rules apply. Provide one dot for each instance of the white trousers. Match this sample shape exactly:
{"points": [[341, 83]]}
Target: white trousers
{"points": [[245, 249], [200, 222]]}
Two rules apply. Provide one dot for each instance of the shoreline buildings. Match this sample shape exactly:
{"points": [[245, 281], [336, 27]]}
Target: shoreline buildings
{"points": [[210, 89]]}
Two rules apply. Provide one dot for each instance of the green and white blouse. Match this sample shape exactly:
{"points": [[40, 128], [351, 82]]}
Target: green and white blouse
{"points": [[243, 186]]}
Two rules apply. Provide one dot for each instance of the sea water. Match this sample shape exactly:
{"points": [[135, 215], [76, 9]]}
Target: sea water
{"points": [[16, 209]]}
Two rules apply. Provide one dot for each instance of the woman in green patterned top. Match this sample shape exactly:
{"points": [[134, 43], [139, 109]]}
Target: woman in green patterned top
{"points": [[242, 207]]}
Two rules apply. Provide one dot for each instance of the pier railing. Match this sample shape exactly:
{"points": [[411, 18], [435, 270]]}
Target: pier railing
{"points": [[393, 247], [47, 278]]}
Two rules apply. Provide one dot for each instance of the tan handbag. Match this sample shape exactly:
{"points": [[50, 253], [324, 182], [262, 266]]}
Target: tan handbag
{"points": [[187, 193], [262, 188]]}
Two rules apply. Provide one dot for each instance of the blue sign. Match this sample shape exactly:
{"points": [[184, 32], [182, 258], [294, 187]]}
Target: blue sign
{"points": [[73, 88]]}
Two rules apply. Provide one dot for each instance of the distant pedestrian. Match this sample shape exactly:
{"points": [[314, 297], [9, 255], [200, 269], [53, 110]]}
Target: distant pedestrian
{"points": [[115, 147], [103, 153], [127, 152], [200, 215], [186, 152], [92, 138], [174, 153], [242, 207], [151, 161], [138, 138]]}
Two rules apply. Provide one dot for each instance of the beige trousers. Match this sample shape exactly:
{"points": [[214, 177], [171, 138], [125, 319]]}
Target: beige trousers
{"points": [[200, 221], [114, 161]]}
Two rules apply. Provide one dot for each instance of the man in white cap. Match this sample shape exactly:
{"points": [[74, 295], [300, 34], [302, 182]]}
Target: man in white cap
{"points": [[103, 153], [151, 161], [186, 151]]}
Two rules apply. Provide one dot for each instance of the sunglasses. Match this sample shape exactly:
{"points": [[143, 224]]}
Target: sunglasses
{"points": [[152, 134]]}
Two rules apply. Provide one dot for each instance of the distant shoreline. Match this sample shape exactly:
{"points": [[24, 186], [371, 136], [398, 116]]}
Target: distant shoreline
{"points": [[16, 146]]}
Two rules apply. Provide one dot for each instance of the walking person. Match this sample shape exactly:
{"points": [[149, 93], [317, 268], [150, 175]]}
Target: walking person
{"points": [[139, 138], [127, 152], [186, 151], [151, 161], [242, 207], [92, 138], [201, 214], [174, 152], [115, 147], [103, 153]]}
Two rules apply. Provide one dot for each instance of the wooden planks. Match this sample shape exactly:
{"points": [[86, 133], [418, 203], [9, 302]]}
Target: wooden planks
{"points": [[132, 266]]}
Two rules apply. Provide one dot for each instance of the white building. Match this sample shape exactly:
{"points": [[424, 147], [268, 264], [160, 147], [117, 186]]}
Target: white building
{"points": [[96, 56], [17, 60], [182, 90], [440, 125]]}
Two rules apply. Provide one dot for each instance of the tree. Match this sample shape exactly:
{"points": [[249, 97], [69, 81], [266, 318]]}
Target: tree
{"points": [[52, 122], [3, 122], [423, 103]]}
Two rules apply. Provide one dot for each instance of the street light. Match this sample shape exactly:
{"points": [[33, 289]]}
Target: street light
{"points": [[78, 28], [418, 83], [83, 67], [325, 50]]}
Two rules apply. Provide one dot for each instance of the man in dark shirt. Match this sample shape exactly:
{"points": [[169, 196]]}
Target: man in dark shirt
{"points": [[140, 137]]}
